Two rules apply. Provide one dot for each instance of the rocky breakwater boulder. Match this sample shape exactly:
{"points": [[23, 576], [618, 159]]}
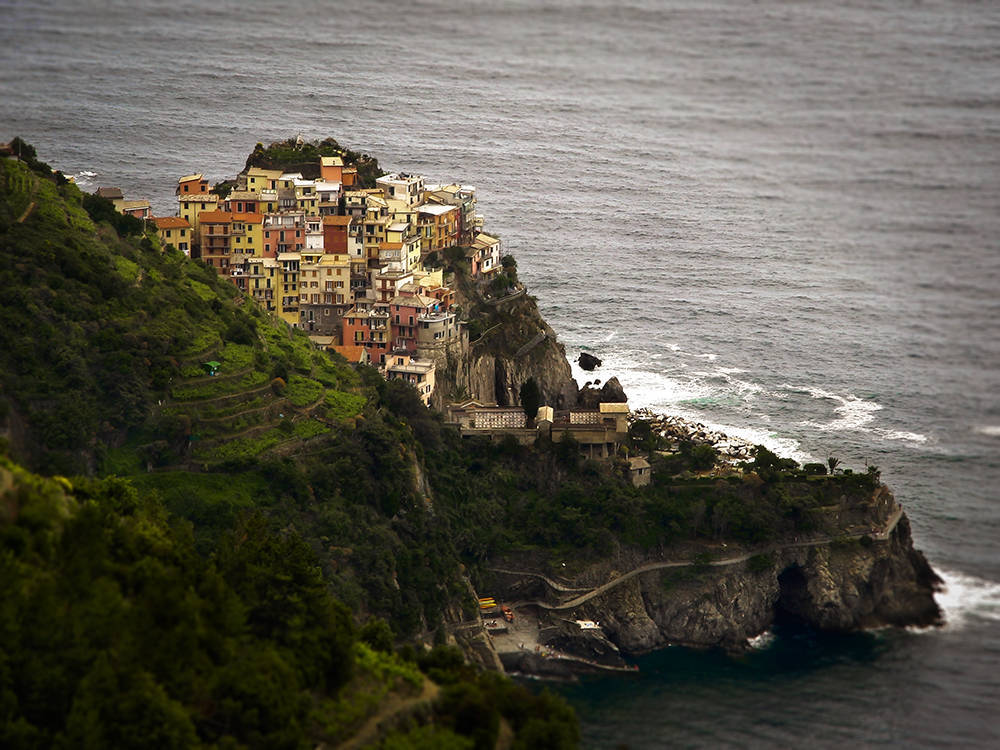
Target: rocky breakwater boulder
{"points": [[588, 361], [590, 397], [678, 430]]}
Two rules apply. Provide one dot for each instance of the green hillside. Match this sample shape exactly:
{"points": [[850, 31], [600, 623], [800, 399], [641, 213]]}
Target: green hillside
{"points": [[284, 465], [219, 464]]}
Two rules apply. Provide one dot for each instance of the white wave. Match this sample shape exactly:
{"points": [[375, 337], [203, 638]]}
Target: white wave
{"points": [[992, 430], [610, 336], [854, 414], [911, 437], [761, 641], [84, 178], [966, 598], [678, 396]]}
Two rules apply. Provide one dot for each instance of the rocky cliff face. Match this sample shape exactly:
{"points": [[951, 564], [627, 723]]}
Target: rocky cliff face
{"points": [[840, 587], [519, 345], [842, 584]]}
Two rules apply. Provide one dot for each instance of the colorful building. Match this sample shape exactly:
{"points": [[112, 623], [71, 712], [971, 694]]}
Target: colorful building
{"points": [[401, 365], [191, 206], [216, 230], [175, 231], [192, 184]]}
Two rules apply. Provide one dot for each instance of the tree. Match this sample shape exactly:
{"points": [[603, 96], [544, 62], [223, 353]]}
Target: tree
{"points": [[833, 463], [531, 397]]}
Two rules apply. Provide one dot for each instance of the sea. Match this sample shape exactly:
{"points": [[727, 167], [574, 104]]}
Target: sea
{"points": [[780, 218]]}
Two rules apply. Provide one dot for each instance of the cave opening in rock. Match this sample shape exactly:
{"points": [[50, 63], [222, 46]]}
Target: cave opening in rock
{"points": [[793, 598]]}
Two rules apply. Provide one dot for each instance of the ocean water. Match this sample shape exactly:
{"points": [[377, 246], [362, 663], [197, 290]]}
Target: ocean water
{"points": [[781, 218]]}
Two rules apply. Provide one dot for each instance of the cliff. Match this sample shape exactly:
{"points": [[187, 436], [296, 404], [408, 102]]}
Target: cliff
{"points": [[511, 343], [866, 574]]}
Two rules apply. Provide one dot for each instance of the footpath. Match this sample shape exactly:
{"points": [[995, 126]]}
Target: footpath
{"points": [[880, 535]]}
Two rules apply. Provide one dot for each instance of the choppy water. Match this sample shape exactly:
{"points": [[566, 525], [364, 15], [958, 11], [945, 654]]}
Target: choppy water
{"points": [[777, 217]]}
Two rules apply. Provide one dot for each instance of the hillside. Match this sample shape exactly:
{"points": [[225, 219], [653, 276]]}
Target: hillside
{"points": [[103, 372], [136, 371]]}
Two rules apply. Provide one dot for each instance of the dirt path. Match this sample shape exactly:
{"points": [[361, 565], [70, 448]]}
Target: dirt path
{"points": [[27, 212], [395, 706]]}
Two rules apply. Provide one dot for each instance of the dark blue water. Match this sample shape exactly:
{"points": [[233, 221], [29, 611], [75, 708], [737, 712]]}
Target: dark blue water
{"points": [[778, 217]]}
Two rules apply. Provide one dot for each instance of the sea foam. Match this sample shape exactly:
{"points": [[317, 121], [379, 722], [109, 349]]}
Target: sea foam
{"points": [[966, 598]]}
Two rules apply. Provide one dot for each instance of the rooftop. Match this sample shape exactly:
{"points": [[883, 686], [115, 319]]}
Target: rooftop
{"points": [[172, 222], [215, 217], [436, 210]]}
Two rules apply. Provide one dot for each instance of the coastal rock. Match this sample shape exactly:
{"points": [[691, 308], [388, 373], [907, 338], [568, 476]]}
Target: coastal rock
{"points": [[589, 644], [590, 397], [613, 393], [847, 589], [494, 367], [833, 583], [588, 361]]}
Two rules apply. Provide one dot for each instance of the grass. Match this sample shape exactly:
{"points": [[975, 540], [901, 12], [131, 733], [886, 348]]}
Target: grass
{"points": [[343, 406], [309, 428], [202, 290], [127, 268], [205, 340], [244, 448], [377, 676], [236, 357], [302, 391], [216, 388]]}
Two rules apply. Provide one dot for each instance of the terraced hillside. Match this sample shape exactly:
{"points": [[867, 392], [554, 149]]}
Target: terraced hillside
{"points": [[228, 486]]}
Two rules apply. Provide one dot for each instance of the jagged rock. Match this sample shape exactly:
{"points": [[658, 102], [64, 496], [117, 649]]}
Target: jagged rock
{"points": [[588, 361], [834, 585], [612, 392], [590, 644]]}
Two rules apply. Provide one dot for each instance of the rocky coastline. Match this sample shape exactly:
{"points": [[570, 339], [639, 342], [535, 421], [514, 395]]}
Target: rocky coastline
{"points": [[595, 615]]}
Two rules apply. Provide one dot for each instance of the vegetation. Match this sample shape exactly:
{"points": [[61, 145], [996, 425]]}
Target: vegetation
{"points": [[209, 597], [295, 156]]}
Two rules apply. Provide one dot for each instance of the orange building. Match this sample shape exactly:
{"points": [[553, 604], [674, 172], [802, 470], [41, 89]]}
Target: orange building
{"points": [[192, 184], [331, 168]]}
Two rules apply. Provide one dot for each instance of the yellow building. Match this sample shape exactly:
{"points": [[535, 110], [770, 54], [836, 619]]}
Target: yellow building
{"points": [[175, 231], [287, 287], [262, 281], [438, 226], [190, 206], [247, 238], [263, 179]]}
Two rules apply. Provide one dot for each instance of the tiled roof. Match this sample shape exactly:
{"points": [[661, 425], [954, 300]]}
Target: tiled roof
{"points": [[215, 217], [172, 222]]}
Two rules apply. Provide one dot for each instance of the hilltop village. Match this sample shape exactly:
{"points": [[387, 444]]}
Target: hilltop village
{"points": [[362, 272], [358, 269]]}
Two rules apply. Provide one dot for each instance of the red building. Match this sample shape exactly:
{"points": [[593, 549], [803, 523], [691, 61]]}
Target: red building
{"points": [[336, 230]]}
